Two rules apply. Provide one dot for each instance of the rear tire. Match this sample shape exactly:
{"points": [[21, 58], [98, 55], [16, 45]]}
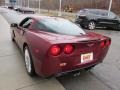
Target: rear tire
{"points": [[28, 62], [91, 25]]}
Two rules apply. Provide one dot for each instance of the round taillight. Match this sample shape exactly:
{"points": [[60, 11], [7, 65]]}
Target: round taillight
{"points": [[55, 50], [102, 44], [68, 49]]}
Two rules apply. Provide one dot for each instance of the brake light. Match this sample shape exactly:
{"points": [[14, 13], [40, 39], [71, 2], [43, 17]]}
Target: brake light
{"points": [[68, 49], [108, 42], [55, 50], [102, 44], [105, 43]]}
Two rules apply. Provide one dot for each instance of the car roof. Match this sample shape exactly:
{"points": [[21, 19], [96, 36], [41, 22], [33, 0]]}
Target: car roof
{"points": [[102, 10], [26, 8], [38, 17], [42, 17]]}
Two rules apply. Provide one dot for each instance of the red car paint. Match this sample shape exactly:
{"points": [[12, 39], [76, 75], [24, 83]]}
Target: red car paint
{"points": [[46, 64]]}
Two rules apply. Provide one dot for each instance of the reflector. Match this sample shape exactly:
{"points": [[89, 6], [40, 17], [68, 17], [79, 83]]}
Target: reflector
{"points": [[108, 42], [102, 44]]}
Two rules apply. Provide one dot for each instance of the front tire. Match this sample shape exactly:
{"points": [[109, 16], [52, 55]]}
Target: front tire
{"points": [[91, 25], [29, 62]]}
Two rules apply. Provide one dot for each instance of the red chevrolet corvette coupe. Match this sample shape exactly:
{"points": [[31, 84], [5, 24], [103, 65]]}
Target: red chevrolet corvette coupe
{"points": [[53, 46]]}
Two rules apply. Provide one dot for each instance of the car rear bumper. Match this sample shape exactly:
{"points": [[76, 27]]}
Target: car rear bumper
{"points": [[76, 70], [53, 66], [57, 70]]}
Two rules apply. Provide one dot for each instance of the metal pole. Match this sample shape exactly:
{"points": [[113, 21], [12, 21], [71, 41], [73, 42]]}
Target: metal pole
{"points": [[60, 8], [28, 3], [4, 2], [21, 3], [18, 3], [24, 3], [110, 6], [39, 5]]}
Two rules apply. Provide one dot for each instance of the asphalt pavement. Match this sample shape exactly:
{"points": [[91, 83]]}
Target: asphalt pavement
{"points": [[13, 76]]}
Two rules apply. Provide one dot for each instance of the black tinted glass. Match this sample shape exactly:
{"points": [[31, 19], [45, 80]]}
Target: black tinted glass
{"points": [[27, 23], [60, 26]]}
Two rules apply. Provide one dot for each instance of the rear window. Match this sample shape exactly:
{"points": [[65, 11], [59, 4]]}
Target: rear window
{"points": [[82, 11], [112, 15], [59, 26], [99, 12], [94, 12]]}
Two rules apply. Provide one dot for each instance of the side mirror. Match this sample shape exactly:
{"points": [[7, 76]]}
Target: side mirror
{"points": [[14, 25]]}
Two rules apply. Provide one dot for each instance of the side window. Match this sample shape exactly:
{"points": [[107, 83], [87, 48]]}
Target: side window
{"points": [[39, 26], [82, 11], [111, 15], [26, 22], [104, 14], [94, 12], [22, 22]]}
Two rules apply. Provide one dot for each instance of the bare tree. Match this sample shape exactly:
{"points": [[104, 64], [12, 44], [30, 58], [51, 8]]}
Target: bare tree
{"points": [[76, 4], [2, 2]]}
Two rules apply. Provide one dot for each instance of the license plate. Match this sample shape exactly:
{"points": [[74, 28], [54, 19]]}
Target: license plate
{"points": [[86, 57]]}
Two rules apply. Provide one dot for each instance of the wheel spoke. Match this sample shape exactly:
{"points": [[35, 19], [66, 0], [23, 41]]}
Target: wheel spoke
{"points": [[91, 25]]}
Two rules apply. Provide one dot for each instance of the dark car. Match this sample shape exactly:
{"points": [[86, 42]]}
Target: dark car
{"points": [[17, 8], [92, 18], [11, 7], [50, 48], [25, 10]]}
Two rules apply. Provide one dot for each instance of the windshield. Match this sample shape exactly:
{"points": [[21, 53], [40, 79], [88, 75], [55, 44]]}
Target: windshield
{"points": [[60, 26]]}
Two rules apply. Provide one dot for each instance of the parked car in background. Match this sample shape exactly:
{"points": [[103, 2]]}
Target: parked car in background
{"points": [[17, 8], [92, 18], [4, 6], [10, 7], [50, 48], [25, 10]]}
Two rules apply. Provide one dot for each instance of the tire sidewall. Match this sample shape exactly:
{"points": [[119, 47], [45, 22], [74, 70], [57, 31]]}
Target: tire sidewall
{"points": [[32, 72]]}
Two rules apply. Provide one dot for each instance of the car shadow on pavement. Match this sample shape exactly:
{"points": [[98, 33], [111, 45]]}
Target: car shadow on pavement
{"points": [[35, 77], [84, 81]]}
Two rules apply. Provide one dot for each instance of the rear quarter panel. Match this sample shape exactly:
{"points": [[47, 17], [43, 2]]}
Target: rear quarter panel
{"points": [[38, 47]]}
